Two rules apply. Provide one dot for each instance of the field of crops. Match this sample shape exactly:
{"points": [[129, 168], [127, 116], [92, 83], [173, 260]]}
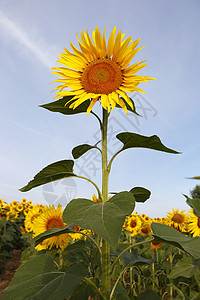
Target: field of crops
{"points": [[166, 269]]}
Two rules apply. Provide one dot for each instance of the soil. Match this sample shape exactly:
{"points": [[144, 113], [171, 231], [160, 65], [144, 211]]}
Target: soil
{"points": [[11, 265]]}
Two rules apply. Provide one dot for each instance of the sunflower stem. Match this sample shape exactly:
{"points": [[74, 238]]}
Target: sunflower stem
{"points": [[105, 173]]}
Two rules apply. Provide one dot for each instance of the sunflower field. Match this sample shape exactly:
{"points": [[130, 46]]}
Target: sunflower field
{"points": [[152, 264]]}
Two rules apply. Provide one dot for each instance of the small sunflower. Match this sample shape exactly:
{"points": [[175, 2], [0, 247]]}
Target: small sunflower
{"points": [[177, 219], [20, 207], [23, 201], [155, 245], [48, 219], [193, 224], [14, 203], [133, 224], [145, 229], [31, 216], [76, 236], [100, 70]]}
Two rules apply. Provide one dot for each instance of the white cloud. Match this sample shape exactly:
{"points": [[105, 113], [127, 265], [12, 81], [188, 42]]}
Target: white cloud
{"points": [[16, 32]]}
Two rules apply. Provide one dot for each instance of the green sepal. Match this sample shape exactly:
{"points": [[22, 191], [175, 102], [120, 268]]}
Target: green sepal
{"points": [[39, 279], [168, 234], [61, 107], [141, 194], [106, 219], [195, 204], [134, 140], [78, 151], [58, 170]]}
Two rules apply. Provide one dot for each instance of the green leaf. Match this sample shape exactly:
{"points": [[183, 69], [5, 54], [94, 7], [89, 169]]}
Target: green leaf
{"points": [[61, 107], [120, 293], [148, 295], [58, 170], [195, 204], [85, 291], [106, 219], [141, 194], [195, 177], [132, 258], [134, 140], [52, 232], [128, 106], [183, 268], [165, 233], [39, 279], [78, 151]]}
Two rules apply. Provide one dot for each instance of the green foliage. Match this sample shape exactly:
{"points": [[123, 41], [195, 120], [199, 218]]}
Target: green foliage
{"points": [[10, 238], [44, 281], [61, 107], [195, 193], [172, 236], [141, 194], [78, 151], [106, 219], [183, 268], [52, 232], [128, 106], [194, 204], [133, 259], [148, 295], [134, 140], [58, 170]]}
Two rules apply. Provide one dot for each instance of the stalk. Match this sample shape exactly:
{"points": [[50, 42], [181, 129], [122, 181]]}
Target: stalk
{"points": [[105, 173]]}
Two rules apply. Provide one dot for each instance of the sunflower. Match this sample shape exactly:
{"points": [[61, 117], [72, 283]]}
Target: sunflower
{"points": [[1, 202], [145, 229], [155, 245], [50, 218], [23, 201], [177, 219], [77, 235], [193, 224], [132, 224], [19, 207], [31, 216], [100, 70]]}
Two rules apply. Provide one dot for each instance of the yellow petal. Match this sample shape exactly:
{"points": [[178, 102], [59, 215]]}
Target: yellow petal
{"points": [[126, 98], [110, 44], [92, 103]]}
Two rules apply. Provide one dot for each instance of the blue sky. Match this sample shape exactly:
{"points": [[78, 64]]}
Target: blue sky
{"points": [[34, 33]]}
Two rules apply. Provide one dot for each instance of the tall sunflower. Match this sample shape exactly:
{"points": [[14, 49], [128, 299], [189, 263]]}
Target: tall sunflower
{"points": [[100, 70], [50, 218]]}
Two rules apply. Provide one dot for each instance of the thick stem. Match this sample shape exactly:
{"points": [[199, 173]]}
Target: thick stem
{"points": [[105, 173]]}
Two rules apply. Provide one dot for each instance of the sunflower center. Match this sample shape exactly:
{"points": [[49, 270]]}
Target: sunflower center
{"points": [[102, 76], [177, 218], [198, 222], [133, 223], [54, 223], [33, 217]]}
